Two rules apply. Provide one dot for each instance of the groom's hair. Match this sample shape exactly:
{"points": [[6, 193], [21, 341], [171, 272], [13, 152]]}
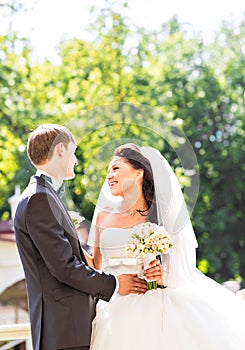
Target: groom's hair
{"points": [[43, 139]]}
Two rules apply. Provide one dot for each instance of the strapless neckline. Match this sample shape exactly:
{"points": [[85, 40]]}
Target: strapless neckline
{"points": [[123, 228]]}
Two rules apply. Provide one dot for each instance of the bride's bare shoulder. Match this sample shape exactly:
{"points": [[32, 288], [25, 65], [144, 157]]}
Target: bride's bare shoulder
{"points": [[105, 212], [106, 217]]}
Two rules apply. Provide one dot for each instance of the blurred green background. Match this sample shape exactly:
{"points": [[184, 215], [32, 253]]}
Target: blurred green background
{"points": [[114, 88]]}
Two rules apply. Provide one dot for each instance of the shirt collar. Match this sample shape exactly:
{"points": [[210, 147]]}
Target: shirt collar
{"points": [[55, 184]]}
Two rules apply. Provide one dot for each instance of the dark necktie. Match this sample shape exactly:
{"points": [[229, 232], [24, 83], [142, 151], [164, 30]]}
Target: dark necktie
{"points": [[61, 189]]}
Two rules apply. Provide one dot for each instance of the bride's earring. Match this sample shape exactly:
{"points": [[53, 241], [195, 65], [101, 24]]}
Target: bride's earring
{"points": [[136, 180]]}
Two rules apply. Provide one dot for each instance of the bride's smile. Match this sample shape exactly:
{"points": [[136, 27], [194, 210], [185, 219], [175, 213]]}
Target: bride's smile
{"points": [[121, 177]]}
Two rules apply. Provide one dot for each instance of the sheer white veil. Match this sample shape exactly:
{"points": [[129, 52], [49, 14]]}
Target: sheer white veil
{"points": [[172, 213]]}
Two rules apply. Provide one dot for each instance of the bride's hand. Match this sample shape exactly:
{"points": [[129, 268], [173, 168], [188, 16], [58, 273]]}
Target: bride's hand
{"points": [[155, 272]]}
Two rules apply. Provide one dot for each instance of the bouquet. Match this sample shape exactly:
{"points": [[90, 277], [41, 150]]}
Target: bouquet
{"points": [[77, 219], [148, 241]]}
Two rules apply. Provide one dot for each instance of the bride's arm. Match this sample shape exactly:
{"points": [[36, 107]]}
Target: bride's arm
{"points": [[97, 257], [95, 260], [89, 258]]}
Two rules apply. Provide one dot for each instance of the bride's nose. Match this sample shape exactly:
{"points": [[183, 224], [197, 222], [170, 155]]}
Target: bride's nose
{"points": [[109, 175]]}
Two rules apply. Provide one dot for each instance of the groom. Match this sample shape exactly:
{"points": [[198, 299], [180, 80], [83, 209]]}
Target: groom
{"points": [[62, 290]]}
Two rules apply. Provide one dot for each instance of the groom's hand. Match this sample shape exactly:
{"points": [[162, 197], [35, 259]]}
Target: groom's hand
{"points": [[129, 283]]}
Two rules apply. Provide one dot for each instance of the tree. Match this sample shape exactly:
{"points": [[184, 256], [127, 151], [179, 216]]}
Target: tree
{"points": [[132, 84]]}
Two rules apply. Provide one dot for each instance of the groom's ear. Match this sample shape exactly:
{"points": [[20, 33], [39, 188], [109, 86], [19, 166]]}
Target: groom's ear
{"points": [[59, 149]]}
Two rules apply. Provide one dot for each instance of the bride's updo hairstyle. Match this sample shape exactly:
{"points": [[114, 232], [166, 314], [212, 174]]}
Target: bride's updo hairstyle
{"points": [[132, 154]]}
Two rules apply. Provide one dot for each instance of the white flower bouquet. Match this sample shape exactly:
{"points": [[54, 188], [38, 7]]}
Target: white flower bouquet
{"points": [[148, 241], [76, 218]]}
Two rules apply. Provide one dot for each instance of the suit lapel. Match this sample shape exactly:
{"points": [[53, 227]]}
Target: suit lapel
{"points": [[71, 227]]}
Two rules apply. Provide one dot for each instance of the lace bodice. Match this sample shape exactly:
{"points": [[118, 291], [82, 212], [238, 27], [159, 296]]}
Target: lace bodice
{"points": [[113, 244]]}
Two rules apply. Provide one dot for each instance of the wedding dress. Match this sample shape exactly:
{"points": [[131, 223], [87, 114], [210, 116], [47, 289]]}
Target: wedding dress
{"points": [[198, 316], [192, 313]]}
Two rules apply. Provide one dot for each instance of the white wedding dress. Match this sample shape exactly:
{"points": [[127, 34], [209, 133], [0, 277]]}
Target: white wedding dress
{"points": [[197, 315]]}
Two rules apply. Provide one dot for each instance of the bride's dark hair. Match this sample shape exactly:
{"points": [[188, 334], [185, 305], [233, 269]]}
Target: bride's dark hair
{"points": [[132, 154]]}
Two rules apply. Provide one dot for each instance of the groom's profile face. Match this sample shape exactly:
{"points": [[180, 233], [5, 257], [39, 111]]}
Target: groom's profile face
{"points": [[68, 160]]}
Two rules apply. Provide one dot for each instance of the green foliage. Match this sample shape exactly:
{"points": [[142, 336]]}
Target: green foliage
{"points": [[150, 87]]}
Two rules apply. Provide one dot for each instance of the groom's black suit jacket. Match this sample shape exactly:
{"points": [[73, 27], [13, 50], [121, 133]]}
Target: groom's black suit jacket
{"points": [[62, 289]]}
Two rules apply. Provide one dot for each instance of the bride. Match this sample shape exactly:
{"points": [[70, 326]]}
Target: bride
{"points": [[193, 312]]}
